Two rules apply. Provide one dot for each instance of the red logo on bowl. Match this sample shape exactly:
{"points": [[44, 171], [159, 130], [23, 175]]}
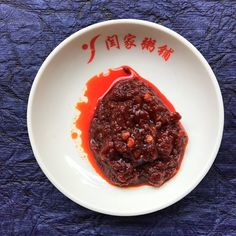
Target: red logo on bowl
{"points": [[129, 42]]}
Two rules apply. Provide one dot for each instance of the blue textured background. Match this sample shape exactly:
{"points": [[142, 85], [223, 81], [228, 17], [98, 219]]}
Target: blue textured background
{"points": [[29, 203]]}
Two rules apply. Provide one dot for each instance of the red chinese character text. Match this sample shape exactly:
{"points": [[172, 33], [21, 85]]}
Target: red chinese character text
{"points": [[148, 43], [129, 41], [165, 52], [112, 41]]}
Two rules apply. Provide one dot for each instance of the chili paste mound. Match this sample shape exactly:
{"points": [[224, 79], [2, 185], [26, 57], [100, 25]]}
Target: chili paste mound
{"points": [[134, 137]]}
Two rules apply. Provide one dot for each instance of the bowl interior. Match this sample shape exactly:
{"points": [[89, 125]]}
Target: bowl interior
{"points": [[185, 78]]}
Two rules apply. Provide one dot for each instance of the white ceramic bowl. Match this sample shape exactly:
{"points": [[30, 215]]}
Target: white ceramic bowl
{"points": [[185, 78]]}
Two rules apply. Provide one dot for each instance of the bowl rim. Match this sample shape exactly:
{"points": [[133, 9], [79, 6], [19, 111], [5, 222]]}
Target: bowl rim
{"points": [[156, 26]]}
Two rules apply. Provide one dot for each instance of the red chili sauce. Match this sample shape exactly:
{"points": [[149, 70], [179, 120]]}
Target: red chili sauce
{"points": [[129, 130]]}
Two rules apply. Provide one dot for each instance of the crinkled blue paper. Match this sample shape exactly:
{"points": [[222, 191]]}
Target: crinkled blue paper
{"points": [[29, 203]]}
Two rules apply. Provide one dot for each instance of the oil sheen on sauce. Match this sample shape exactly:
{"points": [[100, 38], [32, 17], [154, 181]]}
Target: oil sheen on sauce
{"points": [[97, 87]]}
